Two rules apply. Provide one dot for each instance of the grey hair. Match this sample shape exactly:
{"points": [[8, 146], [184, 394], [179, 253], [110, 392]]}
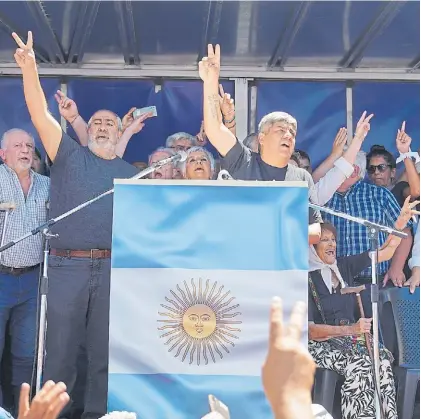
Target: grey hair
{"points": [[274, 117], [12, 131], [119, 123], [183, 165], [360, 162], [167, 150], [178, 136]]}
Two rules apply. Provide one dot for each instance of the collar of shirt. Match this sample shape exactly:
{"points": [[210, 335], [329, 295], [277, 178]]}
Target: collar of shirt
{"points": [[11, 172], [352, 189]]}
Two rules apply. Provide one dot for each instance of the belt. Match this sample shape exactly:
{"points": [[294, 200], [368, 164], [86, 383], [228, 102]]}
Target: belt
{"points": [[16, 271], [88, 254]]}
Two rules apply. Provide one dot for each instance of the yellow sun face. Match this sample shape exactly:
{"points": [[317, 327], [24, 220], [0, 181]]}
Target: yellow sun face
{"points": [[199, 322]]}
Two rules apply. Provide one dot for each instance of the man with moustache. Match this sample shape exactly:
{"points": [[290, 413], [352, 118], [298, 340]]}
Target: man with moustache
{"points": [[166, 171], [80, 257], [276, 137], [19, 265]]}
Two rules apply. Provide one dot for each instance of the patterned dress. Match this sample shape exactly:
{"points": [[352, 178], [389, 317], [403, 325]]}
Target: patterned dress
{"points": [[348, 356]]}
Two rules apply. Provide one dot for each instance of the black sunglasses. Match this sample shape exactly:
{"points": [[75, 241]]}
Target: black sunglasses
{"points": [[382, 168]]}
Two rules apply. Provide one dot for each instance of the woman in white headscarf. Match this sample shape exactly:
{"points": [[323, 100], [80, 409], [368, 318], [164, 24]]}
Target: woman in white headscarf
{"points": [[336, 337]]}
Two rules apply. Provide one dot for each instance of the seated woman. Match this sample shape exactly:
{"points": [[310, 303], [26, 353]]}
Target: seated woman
{"points": [[336, 339], [199, 164]]}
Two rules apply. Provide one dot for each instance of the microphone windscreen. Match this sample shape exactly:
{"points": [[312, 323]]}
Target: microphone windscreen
{"points": [[182, 154]]}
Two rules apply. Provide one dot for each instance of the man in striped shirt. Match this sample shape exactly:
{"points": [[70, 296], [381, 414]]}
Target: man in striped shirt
{"points": [[373, 203], [19, 265]]}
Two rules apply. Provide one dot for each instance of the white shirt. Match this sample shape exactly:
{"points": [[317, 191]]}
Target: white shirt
{"points": [[28, 214], [325, 188]]}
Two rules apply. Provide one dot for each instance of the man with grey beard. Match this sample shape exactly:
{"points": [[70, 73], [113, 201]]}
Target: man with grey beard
{"points": [[80, 257]]}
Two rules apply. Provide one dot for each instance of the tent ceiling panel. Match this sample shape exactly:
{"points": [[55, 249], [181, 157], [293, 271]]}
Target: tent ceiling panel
{"points": [[272, 36]]}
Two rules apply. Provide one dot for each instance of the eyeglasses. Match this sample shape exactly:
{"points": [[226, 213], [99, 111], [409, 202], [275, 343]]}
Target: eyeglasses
{"points": [[381, 167]]}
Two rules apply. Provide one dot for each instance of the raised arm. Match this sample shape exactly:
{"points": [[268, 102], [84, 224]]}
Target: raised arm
{"points": [[48, 128], [403, 143], [228, 110], [326, 186], [337, 150], [69, 111], [396, 248], [218, 134], [131, 126]]}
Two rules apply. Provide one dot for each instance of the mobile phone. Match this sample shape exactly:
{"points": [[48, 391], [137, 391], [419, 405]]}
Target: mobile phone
{"points": [[142, 111], [217, 406]]}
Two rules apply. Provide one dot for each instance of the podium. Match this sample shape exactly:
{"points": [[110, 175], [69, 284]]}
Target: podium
{"points": [[194, 268]]}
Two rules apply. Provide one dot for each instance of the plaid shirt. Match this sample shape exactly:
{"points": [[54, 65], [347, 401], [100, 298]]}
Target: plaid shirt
{"points": [[28, 214], [367, 201]]}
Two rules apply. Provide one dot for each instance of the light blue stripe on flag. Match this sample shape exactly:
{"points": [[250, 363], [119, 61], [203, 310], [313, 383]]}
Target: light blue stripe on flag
{"points": [[194, 267], [210, 227]]}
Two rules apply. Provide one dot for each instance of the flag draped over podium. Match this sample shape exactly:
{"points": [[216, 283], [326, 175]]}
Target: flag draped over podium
{"points": [[194, 268]]}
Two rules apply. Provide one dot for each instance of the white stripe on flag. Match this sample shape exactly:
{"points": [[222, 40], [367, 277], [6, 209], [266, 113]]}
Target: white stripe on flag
{"points": [[215, 323]]}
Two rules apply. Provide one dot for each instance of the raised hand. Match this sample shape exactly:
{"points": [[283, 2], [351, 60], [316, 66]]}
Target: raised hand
{"points": [[66, 106], [201, 136], [209, 67], [363, 126], [134, 125], [407, 211], [47, 404], [24, 55], [128, 118], [288, 372], [403, 140], [339, 143], [226, 104]]}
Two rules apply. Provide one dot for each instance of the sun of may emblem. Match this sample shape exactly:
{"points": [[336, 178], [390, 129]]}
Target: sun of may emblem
{"points": [[199, 323]]}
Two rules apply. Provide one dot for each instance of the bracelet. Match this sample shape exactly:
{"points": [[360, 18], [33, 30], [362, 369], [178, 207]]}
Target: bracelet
{"points": [[228, 122], [74, 119], [230, 126], [408, 155]]}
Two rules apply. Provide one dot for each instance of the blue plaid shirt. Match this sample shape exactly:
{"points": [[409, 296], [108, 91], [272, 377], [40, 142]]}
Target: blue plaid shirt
{"points": [[364, 200]]}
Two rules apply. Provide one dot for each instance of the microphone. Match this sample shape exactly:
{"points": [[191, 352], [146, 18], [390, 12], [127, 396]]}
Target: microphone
{"points": [[224, 175], [7, 206], [180, 156]]}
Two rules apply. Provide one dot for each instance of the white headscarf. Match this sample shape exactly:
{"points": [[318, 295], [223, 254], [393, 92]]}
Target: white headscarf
{"points": [[315, 264]]}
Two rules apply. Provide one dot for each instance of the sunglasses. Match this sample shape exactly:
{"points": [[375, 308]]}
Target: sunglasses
{"points": [[381, 167]]}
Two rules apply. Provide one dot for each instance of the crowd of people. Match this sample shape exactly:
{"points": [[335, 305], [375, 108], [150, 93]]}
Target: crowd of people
{"points": [[80, 257]]}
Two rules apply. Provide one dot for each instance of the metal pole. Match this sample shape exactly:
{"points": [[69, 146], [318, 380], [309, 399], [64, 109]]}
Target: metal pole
{"points": [[241, 107], [349, 112]]}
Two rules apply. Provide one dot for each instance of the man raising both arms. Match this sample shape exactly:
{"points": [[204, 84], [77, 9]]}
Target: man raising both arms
{"points": [[277, 132], [79, 265]]}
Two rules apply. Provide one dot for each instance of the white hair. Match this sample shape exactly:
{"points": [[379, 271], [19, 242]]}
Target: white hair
{"points": [[119, 123], [119, 415], [183, 165], [6, 134], [167, 150], [178, 136], [274, 117], [360, 162]]}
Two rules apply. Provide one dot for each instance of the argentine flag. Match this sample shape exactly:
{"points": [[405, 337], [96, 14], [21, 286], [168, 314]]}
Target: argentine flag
{"points": [[194, 268]]}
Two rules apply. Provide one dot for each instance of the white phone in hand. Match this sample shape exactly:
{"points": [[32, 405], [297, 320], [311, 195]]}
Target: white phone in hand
{"points": [[142, 111], [217, 406]]}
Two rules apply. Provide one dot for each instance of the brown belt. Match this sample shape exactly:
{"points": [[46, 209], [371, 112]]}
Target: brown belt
{"points": [[89, 254], [16, 271]]}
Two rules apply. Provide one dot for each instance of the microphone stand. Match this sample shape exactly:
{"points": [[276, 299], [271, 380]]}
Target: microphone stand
{"points": [[45, 230], [374, 230]]}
